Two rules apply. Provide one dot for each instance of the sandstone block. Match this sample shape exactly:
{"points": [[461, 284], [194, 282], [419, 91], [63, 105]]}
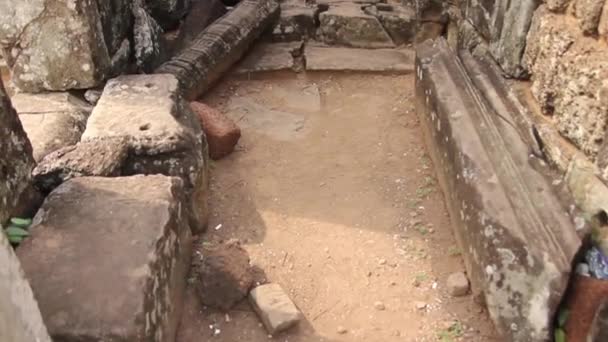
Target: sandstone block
{"points": [[162, 133], [398, 21], [221, 132], [297, 22], [58, 45], [95, 157], [16, 163], [347, 25], [588, 13], [150, 46], [458, 284], [51, 120], [274, 307], [107, 258]]}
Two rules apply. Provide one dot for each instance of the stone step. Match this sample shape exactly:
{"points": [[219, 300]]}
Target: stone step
{"points": [[107, 258], [519, 242], [295, 57]]}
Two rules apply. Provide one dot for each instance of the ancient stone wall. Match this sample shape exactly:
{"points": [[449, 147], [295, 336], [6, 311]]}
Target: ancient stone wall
{"points": [[560, 46]]}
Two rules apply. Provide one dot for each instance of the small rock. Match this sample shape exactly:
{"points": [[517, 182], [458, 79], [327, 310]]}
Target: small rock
{"points": [[92, 96], [458, 284], [420, 305], [379, 306], [274, 307], [223, 274], [382, 262], [341, 330]]}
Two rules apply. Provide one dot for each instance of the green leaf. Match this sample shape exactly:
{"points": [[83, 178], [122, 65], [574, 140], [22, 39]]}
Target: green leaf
{"points": [[560, 335], [16, 231], [562, 317], [15, 239], [21, 222]]}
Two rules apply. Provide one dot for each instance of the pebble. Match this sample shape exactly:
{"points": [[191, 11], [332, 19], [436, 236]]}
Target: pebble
{"points": [[458, 284], [341, 330], [382, 262], [379, 306], [420, 305]]}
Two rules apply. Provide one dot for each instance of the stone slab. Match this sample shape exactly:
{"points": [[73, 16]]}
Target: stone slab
{"points": [[20, 318], [163, 134], [94, 157], [51, 120], [518, 240], [107, 258], [274, 307], [296, 22], [346, 24], [270, 57], [322, 58], [16, 163]]}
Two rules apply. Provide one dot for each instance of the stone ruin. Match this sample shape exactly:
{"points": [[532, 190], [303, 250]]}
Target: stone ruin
{"points": [[99, 124]]}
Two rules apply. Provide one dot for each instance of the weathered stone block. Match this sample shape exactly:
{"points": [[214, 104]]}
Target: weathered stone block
{"points": [[108, 258], [16, 163], [588, 13], [221, 132], [346, 24], [297, 22], [518, 240], [581, 96], [163, 134], [274, 307], [20, 319], [399, 21], [150, 45], [323, 58], [94, 157], [548, 40], [58, 45], [51, 120], [219, 46], [557, 6], [504, 24]]}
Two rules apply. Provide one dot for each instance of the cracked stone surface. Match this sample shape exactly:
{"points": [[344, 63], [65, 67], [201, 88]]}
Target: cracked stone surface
{"points": [[108, 257]]}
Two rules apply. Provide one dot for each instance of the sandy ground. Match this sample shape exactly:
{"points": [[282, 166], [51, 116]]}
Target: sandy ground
{"points": [[333, 195]]}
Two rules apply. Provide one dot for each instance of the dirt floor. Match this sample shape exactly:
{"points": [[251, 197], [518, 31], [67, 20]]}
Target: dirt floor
{"points": [[333, 195]]}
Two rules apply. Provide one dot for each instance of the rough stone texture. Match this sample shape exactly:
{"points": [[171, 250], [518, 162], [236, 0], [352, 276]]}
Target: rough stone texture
{"points": [[163, 134], [219, 46], [346, 24], [168, 12], [92, 96], [599, 331], [51, 120], [458, 284], [108, 258], [274, 307], [547, 42], [16, 163], [320, 58], [584, 304], [398, 21], [297, 22], [272, 57], [202, 14], [95, 157], [504, 24], [222, 273], [581, 103], [221, 132], [20, 319], [588, 13], [518, 241], [557, 5], [59, 45], [150, 46]]}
